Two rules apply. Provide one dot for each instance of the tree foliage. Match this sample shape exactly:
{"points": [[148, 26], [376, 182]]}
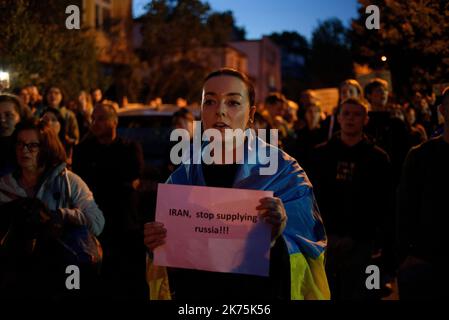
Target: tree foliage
{"points": [[295, 58], [324, 61], [330, 54], [36, 47], [174, 32], [413, 35]]}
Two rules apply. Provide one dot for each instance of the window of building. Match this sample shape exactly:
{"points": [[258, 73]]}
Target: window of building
{"points": [[103, 14]]}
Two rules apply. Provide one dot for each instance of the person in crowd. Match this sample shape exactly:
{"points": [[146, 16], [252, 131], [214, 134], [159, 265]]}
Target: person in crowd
{"points": [[422, 205], [306, 99], [182, 119], [54, 98], [260, 122], [388, 132], [97, 96], [53, 118], [62, 201], [423, 112], [298, 237], [275, 111], [352, 182], [397, 112], [36, 101], [12, 111], [308, 137], [433, 103], [72, 105], [349, 88], [25, 96], [439, 128], [112, 167], [417, 131], [291, 115], [84, 112], [275, 105]]}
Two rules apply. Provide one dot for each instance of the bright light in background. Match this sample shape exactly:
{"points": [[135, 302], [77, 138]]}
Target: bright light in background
{"points": [[384, 58], [4, 76], [4, 80]]}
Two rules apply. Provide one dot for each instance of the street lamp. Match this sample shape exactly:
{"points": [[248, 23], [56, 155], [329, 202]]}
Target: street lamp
{"points": [[384, 58]]}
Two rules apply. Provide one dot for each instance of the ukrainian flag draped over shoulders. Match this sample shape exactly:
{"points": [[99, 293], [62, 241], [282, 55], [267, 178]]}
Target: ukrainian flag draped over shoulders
{"points": [[304, 234]]}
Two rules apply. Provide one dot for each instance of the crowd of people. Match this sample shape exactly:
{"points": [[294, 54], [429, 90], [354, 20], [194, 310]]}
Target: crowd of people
{"points": [[367, 188], [376, 168]]}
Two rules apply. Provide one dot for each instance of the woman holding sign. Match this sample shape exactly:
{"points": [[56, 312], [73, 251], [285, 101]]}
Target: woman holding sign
{"points": [[298, 237]]}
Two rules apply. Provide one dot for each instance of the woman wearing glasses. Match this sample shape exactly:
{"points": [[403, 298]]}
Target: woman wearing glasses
{"points": [[12, 111], [46, 215], [41, 173]]}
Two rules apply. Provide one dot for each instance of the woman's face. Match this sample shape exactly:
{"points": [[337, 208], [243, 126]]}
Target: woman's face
{"points": [[54, 97], [25, 96], [52, 121], [225, 104], [348, 91], [9, 117], [27, 149]]}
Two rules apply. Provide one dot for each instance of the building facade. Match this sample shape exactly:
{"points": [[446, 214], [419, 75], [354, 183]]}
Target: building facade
{"points": [[111, 21], [264, 65]]}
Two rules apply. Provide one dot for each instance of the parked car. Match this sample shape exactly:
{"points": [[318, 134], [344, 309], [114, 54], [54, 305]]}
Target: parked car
{"points": [[151, 128]]}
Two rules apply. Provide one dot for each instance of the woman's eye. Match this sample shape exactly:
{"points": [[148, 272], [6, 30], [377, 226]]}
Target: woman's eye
{"points": [[209, 102], [233, 103]]}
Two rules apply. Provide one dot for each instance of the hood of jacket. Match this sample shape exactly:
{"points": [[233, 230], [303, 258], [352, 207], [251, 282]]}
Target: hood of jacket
{"points": [[10, 188]]}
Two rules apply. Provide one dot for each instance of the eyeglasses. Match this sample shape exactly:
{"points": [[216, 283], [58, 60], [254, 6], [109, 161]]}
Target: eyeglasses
{"points": [[31, 147]]}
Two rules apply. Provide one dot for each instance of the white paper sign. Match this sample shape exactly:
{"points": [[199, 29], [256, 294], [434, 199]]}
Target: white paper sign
{"points": [[213, 229]]}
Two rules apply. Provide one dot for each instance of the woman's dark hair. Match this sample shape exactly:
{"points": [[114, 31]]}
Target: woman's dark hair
{"points": [[237, 74], [62, 94], [22, 109], [51, 150], [61, 121]]}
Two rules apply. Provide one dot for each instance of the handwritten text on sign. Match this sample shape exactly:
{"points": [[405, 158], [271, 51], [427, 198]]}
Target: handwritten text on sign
{"points": [[213, 229]]}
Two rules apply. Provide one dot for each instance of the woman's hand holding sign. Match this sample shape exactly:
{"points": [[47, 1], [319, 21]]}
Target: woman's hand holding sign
{"points": [[272, 211], [154, 235]]}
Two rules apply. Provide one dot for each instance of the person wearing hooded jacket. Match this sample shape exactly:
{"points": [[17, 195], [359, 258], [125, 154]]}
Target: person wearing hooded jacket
{"points": [[352, 182], [42, 174], [46, 215]]}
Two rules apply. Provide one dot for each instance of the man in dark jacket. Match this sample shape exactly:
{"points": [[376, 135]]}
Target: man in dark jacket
{"points": [[111, 167], [351, 178], [388, 132], [422, 205]]}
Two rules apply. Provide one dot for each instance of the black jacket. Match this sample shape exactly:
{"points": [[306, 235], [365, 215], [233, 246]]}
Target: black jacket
{"points": [[353, 189]]}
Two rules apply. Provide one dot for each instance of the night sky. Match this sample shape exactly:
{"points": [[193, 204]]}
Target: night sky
{"points": [[260, 17]]}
